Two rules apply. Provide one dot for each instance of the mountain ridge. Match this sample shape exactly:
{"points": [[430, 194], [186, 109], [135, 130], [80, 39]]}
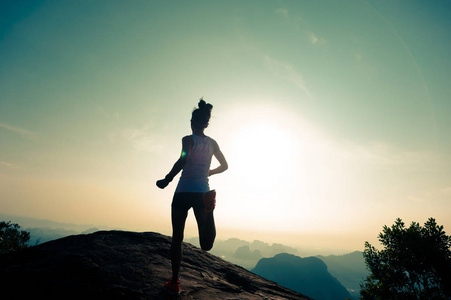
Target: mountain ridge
{"points": [[126, 265], [350, 269], [309, 274]]}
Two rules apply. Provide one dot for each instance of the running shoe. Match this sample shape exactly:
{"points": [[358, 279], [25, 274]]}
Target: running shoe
{"points": [[172, 287], [210, 200]]}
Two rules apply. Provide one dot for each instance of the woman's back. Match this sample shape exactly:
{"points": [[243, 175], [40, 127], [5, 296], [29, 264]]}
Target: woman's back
{"points": [[195, 172]]}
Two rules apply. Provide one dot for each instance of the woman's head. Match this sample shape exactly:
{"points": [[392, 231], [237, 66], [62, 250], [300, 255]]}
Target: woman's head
{"points": [[201, 116]]}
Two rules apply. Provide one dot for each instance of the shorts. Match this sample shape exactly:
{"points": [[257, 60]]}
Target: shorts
{"points": [[184, 201]]}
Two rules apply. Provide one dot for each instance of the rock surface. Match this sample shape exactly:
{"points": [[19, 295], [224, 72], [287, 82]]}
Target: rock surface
{"points": [[126, 265]]}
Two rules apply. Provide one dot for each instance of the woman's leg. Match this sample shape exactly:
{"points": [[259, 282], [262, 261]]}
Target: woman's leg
{"points": [[178, 226], [206, 226]]}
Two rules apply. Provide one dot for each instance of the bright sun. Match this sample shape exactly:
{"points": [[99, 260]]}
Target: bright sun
{"points": [[283, 173], [265, 156], [267, 151]]}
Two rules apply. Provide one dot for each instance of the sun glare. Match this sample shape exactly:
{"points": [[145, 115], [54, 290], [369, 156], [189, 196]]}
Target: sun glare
{"points": [[283, 173], [266, 155], [267, 151]]}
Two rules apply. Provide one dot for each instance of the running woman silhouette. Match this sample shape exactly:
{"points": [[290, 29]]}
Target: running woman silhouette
{"points": [[193, 189]]}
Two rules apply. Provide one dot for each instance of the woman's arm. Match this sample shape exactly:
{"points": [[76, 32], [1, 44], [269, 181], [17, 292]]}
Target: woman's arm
{"points": [[222, 162], [187, 145]]}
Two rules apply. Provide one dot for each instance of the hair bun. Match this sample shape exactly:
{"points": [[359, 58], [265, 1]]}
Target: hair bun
{"points": [[203, 105], [201, 115]]}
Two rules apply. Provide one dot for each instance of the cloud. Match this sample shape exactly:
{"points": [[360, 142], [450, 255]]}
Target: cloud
{"points": [[8, 165], [287, 71], [282, 12], [18, 130], [316, 40], [383, 154], [434, 195], [357, 55], [141, 139], [107, 115], [301, 26]]}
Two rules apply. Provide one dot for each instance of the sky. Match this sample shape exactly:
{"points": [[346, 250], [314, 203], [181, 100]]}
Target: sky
{"points": [[333, 115]]}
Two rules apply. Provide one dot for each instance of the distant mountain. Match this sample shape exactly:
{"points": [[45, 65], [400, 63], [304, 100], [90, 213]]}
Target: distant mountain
{"points": [[42, 235], [349, 269], [129, 266], [244, 253], [28, 222], [305, 275], [42, 231], [271, 250]]}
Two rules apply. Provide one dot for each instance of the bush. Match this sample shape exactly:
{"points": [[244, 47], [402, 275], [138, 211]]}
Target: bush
{"points": [[415, 264], [12, 238]]}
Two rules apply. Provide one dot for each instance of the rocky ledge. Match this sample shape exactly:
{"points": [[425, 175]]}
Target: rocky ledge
{"points": [[126, 265]]}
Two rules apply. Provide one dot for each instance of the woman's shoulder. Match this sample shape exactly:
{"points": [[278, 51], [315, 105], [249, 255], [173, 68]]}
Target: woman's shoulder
{"points": [[188, 139], [213, 143], [210, 139]]}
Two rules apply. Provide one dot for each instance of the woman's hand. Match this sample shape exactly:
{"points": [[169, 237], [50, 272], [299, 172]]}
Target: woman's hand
{"points": [[162, 183]]}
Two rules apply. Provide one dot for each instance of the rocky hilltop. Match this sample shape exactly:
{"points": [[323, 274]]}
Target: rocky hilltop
{"points": [[126, 265]]}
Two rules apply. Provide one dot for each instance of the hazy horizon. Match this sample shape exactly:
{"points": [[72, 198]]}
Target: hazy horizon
{"points": [[307, 247], [333, 115]]}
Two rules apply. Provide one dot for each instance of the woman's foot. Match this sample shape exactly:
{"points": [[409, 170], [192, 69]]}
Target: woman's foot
{"points": [[172, 287]]}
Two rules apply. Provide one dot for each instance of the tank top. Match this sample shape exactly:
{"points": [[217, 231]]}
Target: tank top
{"points": [[195, 172]]}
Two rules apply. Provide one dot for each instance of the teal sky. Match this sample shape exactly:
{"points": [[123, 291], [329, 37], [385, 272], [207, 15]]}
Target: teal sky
{"points": [[333, 115]]}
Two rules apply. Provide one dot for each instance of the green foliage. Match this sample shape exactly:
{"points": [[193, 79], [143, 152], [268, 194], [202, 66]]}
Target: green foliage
{"points": [[415, 264], [12, 238]]}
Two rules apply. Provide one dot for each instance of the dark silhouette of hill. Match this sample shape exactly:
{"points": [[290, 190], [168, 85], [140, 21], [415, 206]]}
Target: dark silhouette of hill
{"points": [[308, 275], [349, 269], [125, 265]]}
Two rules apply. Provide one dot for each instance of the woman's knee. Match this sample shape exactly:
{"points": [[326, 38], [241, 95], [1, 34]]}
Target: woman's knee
{"points": [[206, 246], [206, 243]]}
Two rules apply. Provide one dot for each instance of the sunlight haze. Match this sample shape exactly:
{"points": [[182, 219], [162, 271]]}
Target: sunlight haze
{"points": [[334, 116]]}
